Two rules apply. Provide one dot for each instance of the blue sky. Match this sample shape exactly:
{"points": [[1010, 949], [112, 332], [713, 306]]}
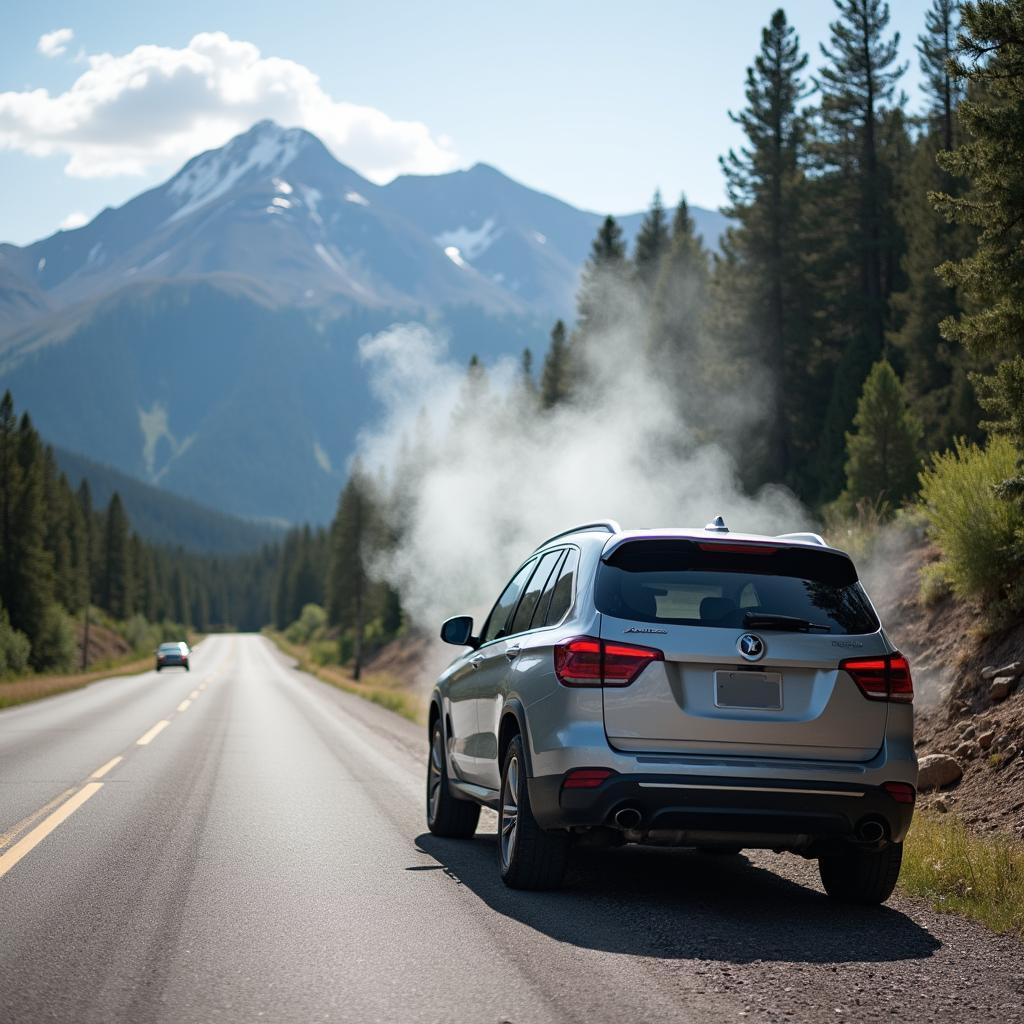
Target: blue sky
{"points": [[598, 103]]}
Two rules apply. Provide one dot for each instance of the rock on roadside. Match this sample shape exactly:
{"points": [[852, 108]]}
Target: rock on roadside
{"points": [[937, 770], [1000, 687]]}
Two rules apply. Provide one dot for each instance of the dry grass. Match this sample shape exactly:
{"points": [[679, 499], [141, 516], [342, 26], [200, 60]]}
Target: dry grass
{"points": [[981, 877], [381, 688], [20, 691]]}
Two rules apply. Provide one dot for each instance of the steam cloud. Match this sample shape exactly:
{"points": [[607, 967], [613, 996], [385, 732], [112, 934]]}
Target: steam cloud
{"points": [[480, 475]]}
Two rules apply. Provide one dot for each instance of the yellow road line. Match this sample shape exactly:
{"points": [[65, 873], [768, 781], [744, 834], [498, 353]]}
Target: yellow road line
{"points": [[10, 834], [44, 828], [194, 695], [112, 763], [152, 734], [184, 705]]}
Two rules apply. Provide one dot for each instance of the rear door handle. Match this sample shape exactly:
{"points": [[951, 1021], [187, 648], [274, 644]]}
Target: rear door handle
{"points": [[512, 652]]}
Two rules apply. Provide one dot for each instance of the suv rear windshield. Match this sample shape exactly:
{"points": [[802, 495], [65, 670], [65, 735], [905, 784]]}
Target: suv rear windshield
{"points": [[690, 583]]}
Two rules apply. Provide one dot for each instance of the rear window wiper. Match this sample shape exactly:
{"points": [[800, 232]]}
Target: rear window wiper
{"points": [[765, 620]]}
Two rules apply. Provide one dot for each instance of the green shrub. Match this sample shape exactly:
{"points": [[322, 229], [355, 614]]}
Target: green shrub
{"points": [[140, 634], [323, 652], [14, 648], [54, 649], [976, 531], [311, 621]]}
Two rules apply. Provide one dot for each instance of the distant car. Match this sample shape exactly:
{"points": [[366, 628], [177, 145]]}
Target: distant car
{"points": [[172, 654], [685, 687]]}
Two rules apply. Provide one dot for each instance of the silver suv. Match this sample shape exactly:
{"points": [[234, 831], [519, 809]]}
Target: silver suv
{"points": [[687, 687]]}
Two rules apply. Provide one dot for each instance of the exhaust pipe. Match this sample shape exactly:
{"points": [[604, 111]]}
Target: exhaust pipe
{"points": [[627, 818], [870, 831]]}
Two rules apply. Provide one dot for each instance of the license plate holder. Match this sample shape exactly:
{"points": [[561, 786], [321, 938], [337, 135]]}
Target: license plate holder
{"points": [[748, 691]]}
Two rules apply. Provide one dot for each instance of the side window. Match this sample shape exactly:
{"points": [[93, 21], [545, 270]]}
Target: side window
{"points": [[498, 618], [533, 591], [561, 594], [541, 611]]}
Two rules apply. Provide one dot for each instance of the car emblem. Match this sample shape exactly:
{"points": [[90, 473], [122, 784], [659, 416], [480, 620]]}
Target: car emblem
{"points": [[750, 647]]}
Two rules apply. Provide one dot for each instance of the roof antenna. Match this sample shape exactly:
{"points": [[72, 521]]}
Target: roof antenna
{"points": [[717, 525]]}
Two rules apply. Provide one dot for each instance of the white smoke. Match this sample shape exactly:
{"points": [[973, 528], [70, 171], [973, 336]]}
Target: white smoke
{"points": [[481, 475]]}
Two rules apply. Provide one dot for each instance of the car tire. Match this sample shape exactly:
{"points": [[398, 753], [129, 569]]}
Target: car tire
{"points": [[158, 668], [447, 815], [528, 857], [187, 669], [865, 877]]}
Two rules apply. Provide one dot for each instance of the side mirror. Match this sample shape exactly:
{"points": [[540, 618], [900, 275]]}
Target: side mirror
{"points": [[459, 631]]}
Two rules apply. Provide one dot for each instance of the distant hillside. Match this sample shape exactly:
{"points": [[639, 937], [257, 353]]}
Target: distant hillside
{"points": [[164, 518]]}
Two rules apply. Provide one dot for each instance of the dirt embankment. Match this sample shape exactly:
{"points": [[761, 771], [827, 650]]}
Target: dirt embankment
{"points": [[958, 712]]}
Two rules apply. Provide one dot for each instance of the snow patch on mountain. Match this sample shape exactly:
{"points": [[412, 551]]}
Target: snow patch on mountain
{"points": [[323, 460], [452, 252], [265, 147], [310, 198], [470, 242], [324, 254], [355, 197]]}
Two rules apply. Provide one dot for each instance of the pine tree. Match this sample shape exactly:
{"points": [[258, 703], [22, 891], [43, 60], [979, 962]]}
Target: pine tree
{"points": [[10, 488], [598, 299], [554, 380], [350, 546], [88, 518], [116, 585], [991, 60], [935, 50], [935, 371], [652, 242], [855, 200], [768, 279], [883, 456], [680, 296], [31, 564], [526, 382]]}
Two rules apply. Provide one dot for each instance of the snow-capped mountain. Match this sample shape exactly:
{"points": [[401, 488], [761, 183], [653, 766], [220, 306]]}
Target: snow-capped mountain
{"points": [[202, 336], [275, 207]]}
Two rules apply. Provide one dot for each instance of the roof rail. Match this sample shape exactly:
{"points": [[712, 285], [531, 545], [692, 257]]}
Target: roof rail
{"points": [[609, 525], [807, 538]]}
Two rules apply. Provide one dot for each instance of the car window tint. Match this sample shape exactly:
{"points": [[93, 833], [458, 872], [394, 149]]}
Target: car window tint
{"points": [[561, 596], [692, 584], [540, 613], [498, 619], [533, 591]]}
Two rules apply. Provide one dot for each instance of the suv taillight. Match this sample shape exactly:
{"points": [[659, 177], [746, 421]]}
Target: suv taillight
{"points": [[885, 678], [585, 661]]}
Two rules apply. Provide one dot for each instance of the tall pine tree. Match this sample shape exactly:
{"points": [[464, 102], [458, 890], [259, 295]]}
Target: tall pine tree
{"points": [[598, 300], [652, 242], [854, 209], [991, 60], [764, 182]]}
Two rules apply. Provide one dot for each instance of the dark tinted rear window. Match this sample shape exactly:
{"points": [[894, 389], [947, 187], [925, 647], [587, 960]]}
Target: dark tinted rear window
{"points": [[683, 583]]}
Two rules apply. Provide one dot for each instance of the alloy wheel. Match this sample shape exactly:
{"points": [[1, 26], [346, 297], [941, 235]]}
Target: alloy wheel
{"points": [[436, 768], [510, 811]]}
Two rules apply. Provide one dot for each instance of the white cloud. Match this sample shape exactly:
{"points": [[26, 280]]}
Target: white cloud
{"points": [[155, 106], [53, 44], [75, 219]]}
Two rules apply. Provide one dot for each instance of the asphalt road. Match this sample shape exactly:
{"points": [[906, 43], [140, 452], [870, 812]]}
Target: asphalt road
{"points": [[263, 857]]}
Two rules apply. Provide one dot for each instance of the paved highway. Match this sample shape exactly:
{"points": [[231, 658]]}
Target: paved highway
{"points": [[244, 843]]}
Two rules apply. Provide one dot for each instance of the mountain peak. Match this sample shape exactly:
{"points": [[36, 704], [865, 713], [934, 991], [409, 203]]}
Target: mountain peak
{"points": [[266, 148]]}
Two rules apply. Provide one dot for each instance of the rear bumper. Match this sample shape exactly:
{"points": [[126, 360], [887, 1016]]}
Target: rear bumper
{"points": [[699, 803]]}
